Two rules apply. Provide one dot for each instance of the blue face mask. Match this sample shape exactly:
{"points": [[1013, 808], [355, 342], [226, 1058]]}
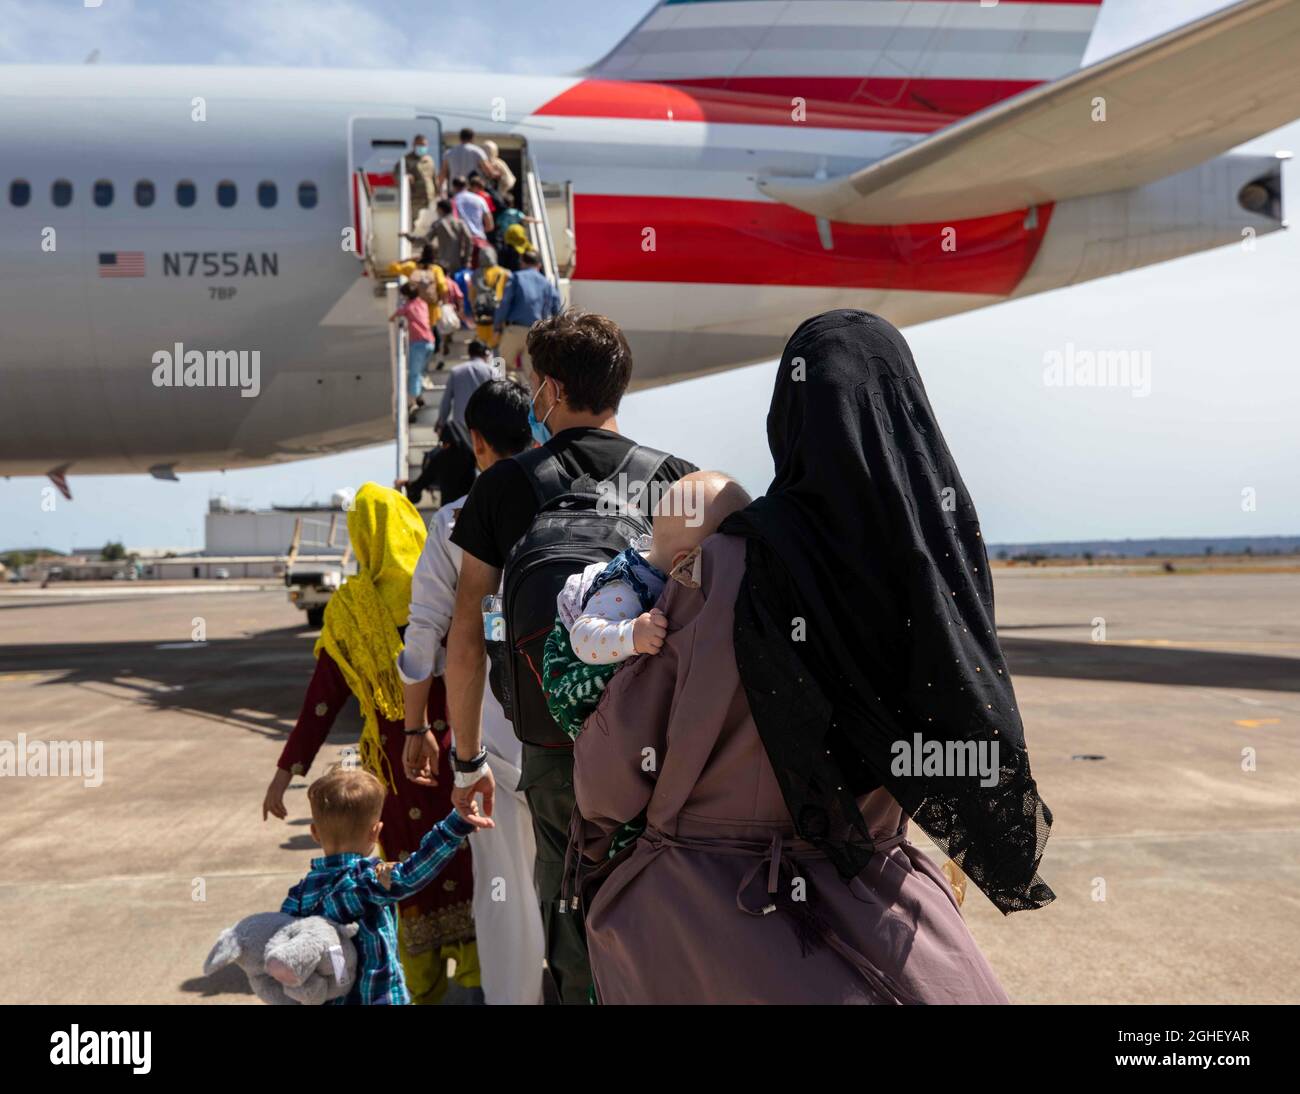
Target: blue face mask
{"points": [[541, 432], [421, 149]]}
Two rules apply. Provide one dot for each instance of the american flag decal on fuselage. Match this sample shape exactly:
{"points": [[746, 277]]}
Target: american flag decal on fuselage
{"points": [[121, 263]]}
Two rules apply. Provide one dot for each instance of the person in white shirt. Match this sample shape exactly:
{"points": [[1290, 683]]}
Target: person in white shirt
{"points": [[462, 158], [472, 209], [507, 919]]}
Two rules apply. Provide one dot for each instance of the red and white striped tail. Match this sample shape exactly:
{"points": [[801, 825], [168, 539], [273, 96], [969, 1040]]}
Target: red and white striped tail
{"points": [[858, 61]]}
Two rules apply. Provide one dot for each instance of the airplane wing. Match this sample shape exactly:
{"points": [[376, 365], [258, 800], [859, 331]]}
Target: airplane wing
{"points": [[1170, 103]]}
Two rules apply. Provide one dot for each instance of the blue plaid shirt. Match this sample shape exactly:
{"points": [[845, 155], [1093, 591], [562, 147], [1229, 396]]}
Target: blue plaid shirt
{"points": [[346, 889]]}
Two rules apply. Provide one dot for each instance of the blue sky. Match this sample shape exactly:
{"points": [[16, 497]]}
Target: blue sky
{"points": [[1042, 463]]}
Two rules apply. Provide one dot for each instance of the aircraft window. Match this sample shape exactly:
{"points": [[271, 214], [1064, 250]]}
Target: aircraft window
{"points": [[144, 193], [20, 192], [103, 193], [266, 195], [307, 195], [185, 193], [61, 192], [226, 193]]}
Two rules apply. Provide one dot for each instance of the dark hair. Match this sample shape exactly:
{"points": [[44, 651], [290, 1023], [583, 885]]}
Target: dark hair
{"points": [[477, 348], [586, 354], [498, 412], [426, 255], [459, 183], [467, 134], [531, 258], [444, 206], [418, 138], [408, 290]]}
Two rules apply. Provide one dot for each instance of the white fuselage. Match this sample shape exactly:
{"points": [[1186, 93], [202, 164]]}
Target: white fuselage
{"points": [[77, 360]]}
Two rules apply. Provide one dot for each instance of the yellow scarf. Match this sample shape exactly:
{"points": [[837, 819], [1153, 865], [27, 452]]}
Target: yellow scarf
{"points": [[362, 617], [517, 237]]}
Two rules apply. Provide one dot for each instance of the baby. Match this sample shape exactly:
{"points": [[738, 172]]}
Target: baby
{"points": [[606, 613], [348, 886]]}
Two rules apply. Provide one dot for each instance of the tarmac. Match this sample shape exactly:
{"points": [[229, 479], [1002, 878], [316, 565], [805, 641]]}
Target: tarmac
{"points": [[1167, 752]]}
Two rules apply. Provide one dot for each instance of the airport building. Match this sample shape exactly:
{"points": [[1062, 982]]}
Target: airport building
{"points": [[239, 544], [232, 532], [214, 567]]}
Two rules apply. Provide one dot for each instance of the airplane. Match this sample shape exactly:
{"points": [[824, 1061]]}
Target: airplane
{"points": [[729, 168]]}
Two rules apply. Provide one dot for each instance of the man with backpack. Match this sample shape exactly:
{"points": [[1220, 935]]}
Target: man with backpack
{"points": [[537, 518]]}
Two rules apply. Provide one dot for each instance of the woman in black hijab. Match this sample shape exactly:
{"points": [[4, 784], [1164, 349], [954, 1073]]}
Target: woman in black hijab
{"points": [[821, 649], [864, 626]]}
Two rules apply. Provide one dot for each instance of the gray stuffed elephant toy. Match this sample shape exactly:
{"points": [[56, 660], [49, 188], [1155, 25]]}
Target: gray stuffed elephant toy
{"points": [[289, 960]]}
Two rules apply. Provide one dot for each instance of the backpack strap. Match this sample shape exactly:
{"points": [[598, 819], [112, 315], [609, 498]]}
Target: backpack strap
{"points": [[549, 480], [640, 464], [545, 474]]}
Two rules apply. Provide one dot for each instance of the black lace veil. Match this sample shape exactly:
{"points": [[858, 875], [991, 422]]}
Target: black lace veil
{"points": [[865, 635]]}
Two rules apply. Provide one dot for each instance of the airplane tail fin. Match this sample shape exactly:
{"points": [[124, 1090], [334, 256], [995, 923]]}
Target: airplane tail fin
{"points": [[878, 64]]}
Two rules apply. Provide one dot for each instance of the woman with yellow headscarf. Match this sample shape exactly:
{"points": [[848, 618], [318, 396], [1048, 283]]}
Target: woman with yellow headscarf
{"points": [[356, 655], [516, 244]]}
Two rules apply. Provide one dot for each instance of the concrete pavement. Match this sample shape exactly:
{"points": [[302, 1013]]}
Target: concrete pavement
{"points": [[1177, 872]]}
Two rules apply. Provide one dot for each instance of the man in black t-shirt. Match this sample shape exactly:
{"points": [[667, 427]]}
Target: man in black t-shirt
{"points": [[502, 504], [581, 366]]}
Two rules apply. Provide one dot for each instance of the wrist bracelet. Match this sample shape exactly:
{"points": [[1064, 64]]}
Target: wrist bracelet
{"points": [[419, 731], [463, 779], [468, 766]]}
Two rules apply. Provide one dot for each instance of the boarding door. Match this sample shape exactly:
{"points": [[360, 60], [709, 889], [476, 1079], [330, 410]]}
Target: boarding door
{"points": [[381, 191]]}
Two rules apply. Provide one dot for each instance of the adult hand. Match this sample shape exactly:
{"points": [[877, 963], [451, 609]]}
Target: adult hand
{"points": [[420, 758], [273, 802], [465, 799]]}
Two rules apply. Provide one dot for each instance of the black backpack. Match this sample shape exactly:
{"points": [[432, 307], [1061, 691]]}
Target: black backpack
{"points": [[571, 530]]}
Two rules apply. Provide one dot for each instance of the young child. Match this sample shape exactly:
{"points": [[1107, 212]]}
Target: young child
{"points": [[348, 886], [420, 341], [606, 613]]}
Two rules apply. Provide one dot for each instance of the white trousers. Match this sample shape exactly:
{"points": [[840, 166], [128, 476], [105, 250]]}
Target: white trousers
{"points": [[507, 920]]}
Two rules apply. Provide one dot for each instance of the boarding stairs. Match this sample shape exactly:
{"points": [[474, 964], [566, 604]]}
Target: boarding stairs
{"points": [[382, 204]]}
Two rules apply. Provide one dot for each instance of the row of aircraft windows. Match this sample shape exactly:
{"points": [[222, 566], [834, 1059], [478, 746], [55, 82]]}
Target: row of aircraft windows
{"points": [[20, 193]]}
